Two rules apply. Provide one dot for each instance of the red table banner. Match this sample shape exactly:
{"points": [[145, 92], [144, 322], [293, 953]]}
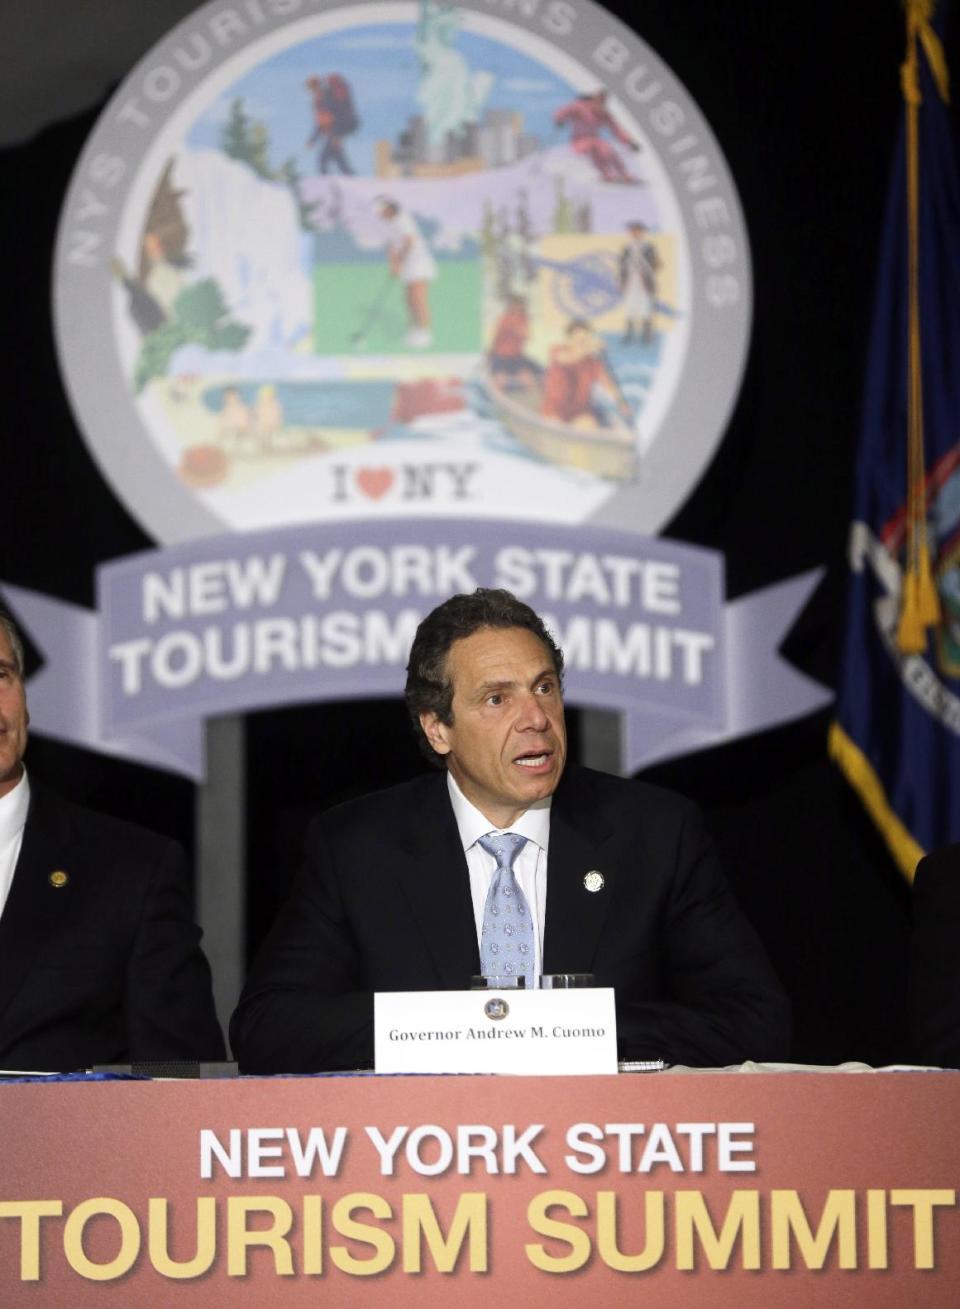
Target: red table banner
{"points": [[706, 1189]]}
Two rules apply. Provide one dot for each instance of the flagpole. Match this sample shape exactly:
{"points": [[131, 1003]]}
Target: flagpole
{"points": [[920, 604]]}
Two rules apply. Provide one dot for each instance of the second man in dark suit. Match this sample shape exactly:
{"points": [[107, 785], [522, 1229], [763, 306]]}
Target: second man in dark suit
{"points": [[100, 961]]}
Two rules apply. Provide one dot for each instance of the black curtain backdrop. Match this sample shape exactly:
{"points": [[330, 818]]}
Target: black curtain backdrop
{"points": [[805, 102]]}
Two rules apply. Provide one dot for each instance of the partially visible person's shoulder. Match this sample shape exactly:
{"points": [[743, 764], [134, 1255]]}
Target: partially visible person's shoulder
{"points": [[78, 824], [946, 854], [944, 862]]}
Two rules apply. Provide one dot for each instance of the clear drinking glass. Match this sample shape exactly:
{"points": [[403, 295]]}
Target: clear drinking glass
{"points": [[498, 982]]}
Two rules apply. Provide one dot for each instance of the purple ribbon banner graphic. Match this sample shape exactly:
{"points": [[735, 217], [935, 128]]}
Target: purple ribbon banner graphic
{"points": [[236, 622]]}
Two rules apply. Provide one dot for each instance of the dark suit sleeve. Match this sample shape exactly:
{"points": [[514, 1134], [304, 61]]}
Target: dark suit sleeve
{"points": [[168, 1000], [935, 959], [303, 1009], [722, 1002]]}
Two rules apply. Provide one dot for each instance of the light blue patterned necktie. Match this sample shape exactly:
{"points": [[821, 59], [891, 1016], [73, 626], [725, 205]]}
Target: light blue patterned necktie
{"points": [[506, 939]]}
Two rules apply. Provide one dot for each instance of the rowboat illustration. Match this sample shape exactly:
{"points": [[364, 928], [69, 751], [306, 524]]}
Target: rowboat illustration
{"points": [[609, 452]]}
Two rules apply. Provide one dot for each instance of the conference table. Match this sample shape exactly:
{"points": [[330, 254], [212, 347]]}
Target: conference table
{"points": [[747, 1187]]}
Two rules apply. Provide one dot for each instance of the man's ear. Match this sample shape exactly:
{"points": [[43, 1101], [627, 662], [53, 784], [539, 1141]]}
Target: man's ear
{"points": [[435, 731]]}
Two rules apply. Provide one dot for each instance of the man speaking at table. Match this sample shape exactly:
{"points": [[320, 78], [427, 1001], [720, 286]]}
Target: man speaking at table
{"points": [[509, 860]]}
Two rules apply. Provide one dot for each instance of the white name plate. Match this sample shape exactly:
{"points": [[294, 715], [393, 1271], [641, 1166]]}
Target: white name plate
{"points": [[529, 1032]]}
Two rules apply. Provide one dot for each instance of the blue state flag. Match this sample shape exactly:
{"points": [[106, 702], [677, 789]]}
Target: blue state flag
{"points": [[897, 731]]}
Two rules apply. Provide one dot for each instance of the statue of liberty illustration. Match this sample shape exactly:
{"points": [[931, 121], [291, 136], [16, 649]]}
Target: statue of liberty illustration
{"points": [[451, 94]]}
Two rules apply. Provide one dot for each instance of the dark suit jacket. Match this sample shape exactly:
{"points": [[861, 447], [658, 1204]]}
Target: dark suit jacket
{"points": [[935, 959], [107, 967], [383, 904]]}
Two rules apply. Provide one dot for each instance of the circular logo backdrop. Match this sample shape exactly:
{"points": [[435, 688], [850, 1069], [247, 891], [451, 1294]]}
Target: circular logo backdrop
{"points": [[395, 260]]}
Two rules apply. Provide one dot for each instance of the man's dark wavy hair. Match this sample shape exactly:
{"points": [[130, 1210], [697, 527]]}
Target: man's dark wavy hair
{"points": [[13, 636], [429, 689]]}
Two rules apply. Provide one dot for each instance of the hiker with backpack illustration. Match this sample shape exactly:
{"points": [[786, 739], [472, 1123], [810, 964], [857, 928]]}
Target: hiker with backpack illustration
{"points": [[334, 117]]}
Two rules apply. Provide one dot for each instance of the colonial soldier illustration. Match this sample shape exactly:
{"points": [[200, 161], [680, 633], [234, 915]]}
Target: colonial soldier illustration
{"points": [[639, 265]]}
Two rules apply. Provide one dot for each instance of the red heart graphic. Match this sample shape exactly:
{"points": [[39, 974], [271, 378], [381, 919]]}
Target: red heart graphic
{"points": [[375, 482]]}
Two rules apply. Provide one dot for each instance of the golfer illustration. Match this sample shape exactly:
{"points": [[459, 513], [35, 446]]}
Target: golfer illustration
{"points": [[410, 260]]}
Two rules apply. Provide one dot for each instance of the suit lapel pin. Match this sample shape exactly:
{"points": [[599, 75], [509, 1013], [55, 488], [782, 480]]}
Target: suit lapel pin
{"points": [[593, 880], [58, 879]]}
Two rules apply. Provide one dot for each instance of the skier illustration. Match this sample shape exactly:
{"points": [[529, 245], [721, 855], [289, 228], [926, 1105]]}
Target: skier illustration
{"points": [[587, 117]]}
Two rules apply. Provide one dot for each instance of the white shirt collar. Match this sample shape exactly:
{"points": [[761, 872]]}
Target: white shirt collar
{"points": [[533, 823], [13, 810]]}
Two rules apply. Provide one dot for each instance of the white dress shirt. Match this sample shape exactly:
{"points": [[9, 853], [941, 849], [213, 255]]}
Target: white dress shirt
{"points": [[530, 867], [13, 815]]}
